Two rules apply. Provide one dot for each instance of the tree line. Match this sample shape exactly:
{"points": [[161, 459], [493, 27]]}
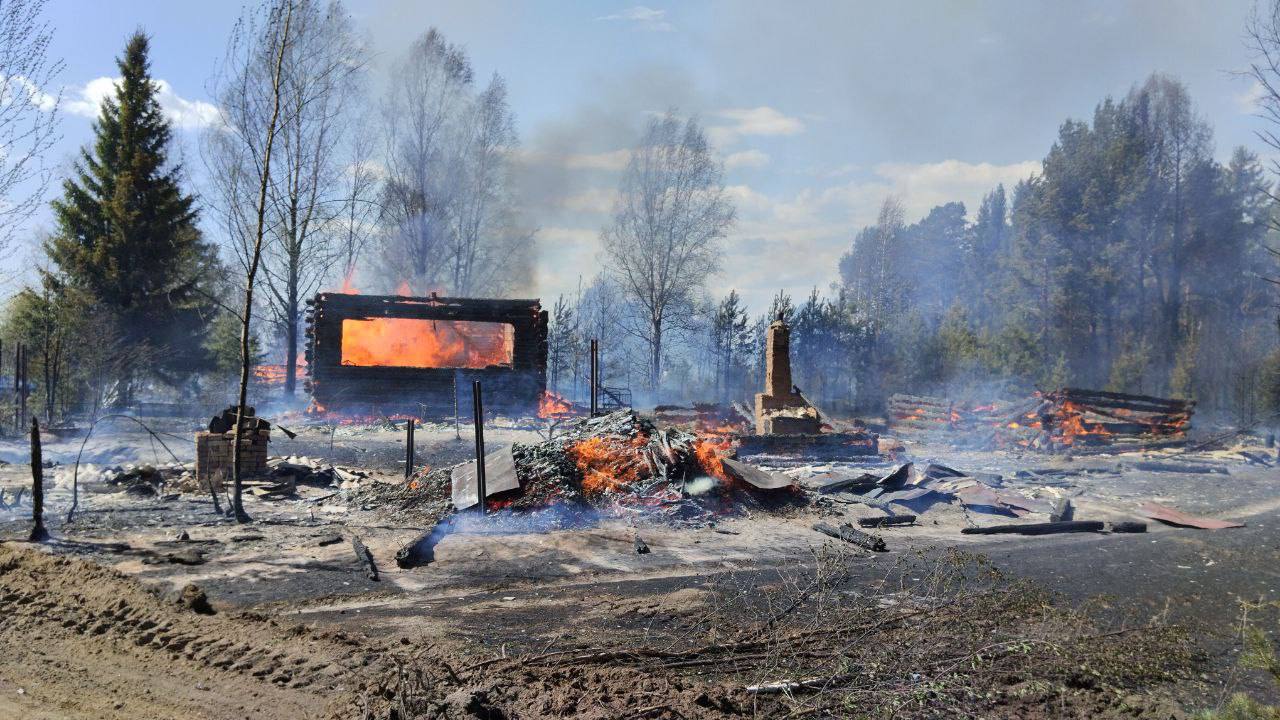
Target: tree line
{"points": [[1133, 261]]}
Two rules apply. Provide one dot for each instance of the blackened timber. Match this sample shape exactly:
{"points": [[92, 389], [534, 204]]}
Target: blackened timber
{"points": [[421, 550], [887, 521], [365, 558], [850, 534], [1045, 528], [408, 448], [481, 489], [38, 532]]}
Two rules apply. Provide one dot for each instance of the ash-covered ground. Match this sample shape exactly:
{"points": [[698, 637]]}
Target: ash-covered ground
{"points": [[509, 591]]}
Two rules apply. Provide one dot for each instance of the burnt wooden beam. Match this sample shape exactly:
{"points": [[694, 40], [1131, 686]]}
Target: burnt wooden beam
{"points": [[365, 558], [1045, 528], [850, 534], [878, 522]]}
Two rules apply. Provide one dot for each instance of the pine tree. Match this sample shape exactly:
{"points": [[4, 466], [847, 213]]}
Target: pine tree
{"points": [[127, 233]]}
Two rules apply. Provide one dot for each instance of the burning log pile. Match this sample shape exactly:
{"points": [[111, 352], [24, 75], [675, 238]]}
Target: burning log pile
{"points": [[1084, 419], [924, 413], [1067, 418], [619, 464]]}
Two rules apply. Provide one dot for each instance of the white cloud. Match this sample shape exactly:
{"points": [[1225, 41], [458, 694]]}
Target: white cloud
{"points": [[789, 242], [746, 159], [86, 101], [761, 120], [795, 243], [925, 185], [22, 85], [566, 253], [1247, 101], [645, 18]]}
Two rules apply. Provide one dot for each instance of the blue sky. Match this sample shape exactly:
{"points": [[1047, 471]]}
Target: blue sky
{"points": [[819, 109]]}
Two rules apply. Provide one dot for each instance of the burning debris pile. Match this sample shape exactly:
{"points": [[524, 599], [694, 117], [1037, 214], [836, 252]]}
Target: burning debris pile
{"points": [[619, 463]]}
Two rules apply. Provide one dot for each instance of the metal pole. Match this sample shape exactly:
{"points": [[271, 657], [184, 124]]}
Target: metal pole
{"points": [[457, 424], [479, 410], [408, 448], [595, 377]]}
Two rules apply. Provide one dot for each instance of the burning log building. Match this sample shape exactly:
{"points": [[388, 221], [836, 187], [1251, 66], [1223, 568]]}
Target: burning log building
{"points": [[411, 354]]}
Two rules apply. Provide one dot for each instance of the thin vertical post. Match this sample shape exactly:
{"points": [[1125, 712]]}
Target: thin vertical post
{"points": [[38, 533], [18, 419], [23, 392], [481, 491], [457, 423], [595, 377], [408, 449]]}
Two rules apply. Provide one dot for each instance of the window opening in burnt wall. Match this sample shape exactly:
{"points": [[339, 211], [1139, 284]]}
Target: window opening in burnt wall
{"points": [[420, 343]]}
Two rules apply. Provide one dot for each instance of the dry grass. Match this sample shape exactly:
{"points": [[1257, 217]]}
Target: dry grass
{"points": [[937, 635]]}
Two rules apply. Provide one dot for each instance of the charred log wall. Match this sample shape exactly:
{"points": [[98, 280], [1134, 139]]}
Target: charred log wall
{"points": [[508, 389]]}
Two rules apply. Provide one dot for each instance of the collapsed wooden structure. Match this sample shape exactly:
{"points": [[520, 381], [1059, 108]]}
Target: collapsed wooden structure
{"points": [[1068, 418], [339, 379]]}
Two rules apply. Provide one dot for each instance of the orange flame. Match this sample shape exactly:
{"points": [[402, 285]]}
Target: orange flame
{"points": [[348, 288], [1074, 426], [711, 452], [551, 405], [412, 342], [609, 464], [275, 374]]}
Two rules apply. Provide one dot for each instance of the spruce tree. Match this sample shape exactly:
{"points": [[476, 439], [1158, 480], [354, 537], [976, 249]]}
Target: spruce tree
{"points": [[127, 234]]}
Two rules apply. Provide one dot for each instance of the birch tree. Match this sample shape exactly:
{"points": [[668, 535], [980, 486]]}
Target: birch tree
{"points": [[254, 107], [451, 215], [28, 111], [310, 188], [671, 213]]}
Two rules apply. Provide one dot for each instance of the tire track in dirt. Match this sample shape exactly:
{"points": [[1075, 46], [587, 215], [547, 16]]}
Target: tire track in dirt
{"points": [[67, 625]]}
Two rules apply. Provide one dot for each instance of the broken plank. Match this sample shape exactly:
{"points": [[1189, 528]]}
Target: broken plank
{"points": [[499, 477], [421, 550], [1178, 467], [753, 475], [1061, 510], [1128, 526]]}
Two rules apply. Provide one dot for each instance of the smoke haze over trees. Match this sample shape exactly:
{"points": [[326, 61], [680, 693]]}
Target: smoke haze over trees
{"points": [[1133, 262], [1137, 258], [451, 221]]}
